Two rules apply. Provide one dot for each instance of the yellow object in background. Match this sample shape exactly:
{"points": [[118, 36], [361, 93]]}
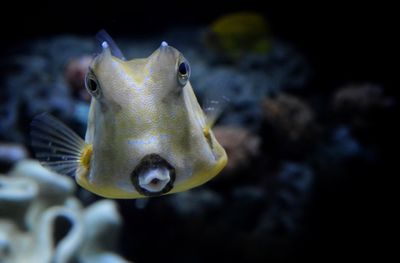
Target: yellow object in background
{"points": [[239, 33]]}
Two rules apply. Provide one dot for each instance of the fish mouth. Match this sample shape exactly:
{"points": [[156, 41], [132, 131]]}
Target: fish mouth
{"points": [[153, 176]]}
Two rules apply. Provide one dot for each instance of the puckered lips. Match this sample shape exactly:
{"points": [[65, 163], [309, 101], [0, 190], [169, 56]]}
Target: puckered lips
{"points": [[153, 176]]}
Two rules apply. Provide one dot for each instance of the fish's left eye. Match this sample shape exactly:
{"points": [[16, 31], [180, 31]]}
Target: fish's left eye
{"points": [[183, 73]]}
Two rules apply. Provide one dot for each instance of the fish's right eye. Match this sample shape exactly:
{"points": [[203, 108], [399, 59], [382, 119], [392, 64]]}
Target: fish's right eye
{"points": [[183, 73], [92, 85]]}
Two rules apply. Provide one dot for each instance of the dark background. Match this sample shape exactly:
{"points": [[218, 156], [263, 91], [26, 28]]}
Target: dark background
{"points": [[344, 43]]}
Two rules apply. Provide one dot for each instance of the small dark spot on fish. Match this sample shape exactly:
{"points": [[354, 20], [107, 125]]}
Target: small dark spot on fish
{"points": [[155, 181]]}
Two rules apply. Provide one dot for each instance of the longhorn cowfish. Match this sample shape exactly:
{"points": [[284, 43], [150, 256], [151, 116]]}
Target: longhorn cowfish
{"points": [[146, 133]]}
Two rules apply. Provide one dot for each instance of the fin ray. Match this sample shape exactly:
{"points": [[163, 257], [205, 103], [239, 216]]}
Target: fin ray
{"points": [[40, 155], [54, 126], [56, 146], [54, 149], [73, 145], [50, 163], [213, 109], [57, 136]]}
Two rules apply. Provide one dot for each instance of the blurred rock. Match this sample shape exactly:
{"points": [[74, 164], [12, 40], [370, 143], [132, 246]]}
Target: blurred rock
{"points": [[242, 91], [345, 145], [341, 149], [292, 117], [361, 98], [35, 84], [197, 202], [241, 146], [361, 104], [75, 72], [247, 83], [289, 129], [288, 195]]}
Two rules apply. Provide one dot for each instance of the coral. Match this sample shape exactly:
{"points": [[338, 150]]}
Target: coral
{"points": [[41, 221]]}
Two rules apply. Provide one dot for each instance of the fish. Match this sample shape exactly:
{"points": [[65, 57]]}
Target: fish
{"points": [[146, 133]]}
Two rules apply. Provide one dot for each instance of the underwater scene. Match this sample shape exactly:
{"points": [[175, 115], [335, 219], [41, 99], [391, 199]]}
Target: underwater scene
{"points": [[232, 131]]}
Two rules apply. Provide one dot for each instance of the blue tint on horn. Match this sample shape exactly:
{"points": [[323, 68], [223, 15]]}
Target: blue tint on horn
{"points": [[102, 36]]}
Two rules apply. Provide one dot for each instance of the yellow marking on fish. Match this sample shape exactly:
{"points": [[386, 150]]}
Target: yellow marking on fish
{"points": [[206, 131], [86, 155], [207, 134]]}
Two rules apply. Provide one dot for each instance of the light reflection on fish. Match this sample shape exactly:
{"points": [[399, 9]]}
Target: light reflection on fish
{"points": [[146, 133]]}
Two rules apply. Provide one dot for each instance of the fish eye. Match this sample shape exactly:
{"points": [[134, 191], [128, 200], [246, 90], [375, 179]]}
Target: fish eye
{"points": [[183, 72], [92, 85]]}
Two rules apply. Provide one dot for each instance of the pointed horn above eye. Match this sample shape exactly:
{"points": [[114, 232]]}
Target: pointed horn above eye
{"points": [[107, 42]]}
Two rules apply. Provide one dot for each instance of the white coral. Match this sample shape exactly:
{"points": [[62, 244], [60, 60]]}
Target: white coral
{"points": [[41, 220]]}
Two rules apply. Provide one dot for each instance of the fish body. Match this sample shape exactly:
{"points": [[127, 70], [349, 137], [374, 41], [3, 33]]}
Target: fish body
{"points": [[146, 133]]}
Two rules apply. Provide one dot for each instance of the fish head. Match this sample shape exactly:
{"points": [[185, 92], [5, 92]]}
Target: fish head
{"points": [[148, 133]]}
